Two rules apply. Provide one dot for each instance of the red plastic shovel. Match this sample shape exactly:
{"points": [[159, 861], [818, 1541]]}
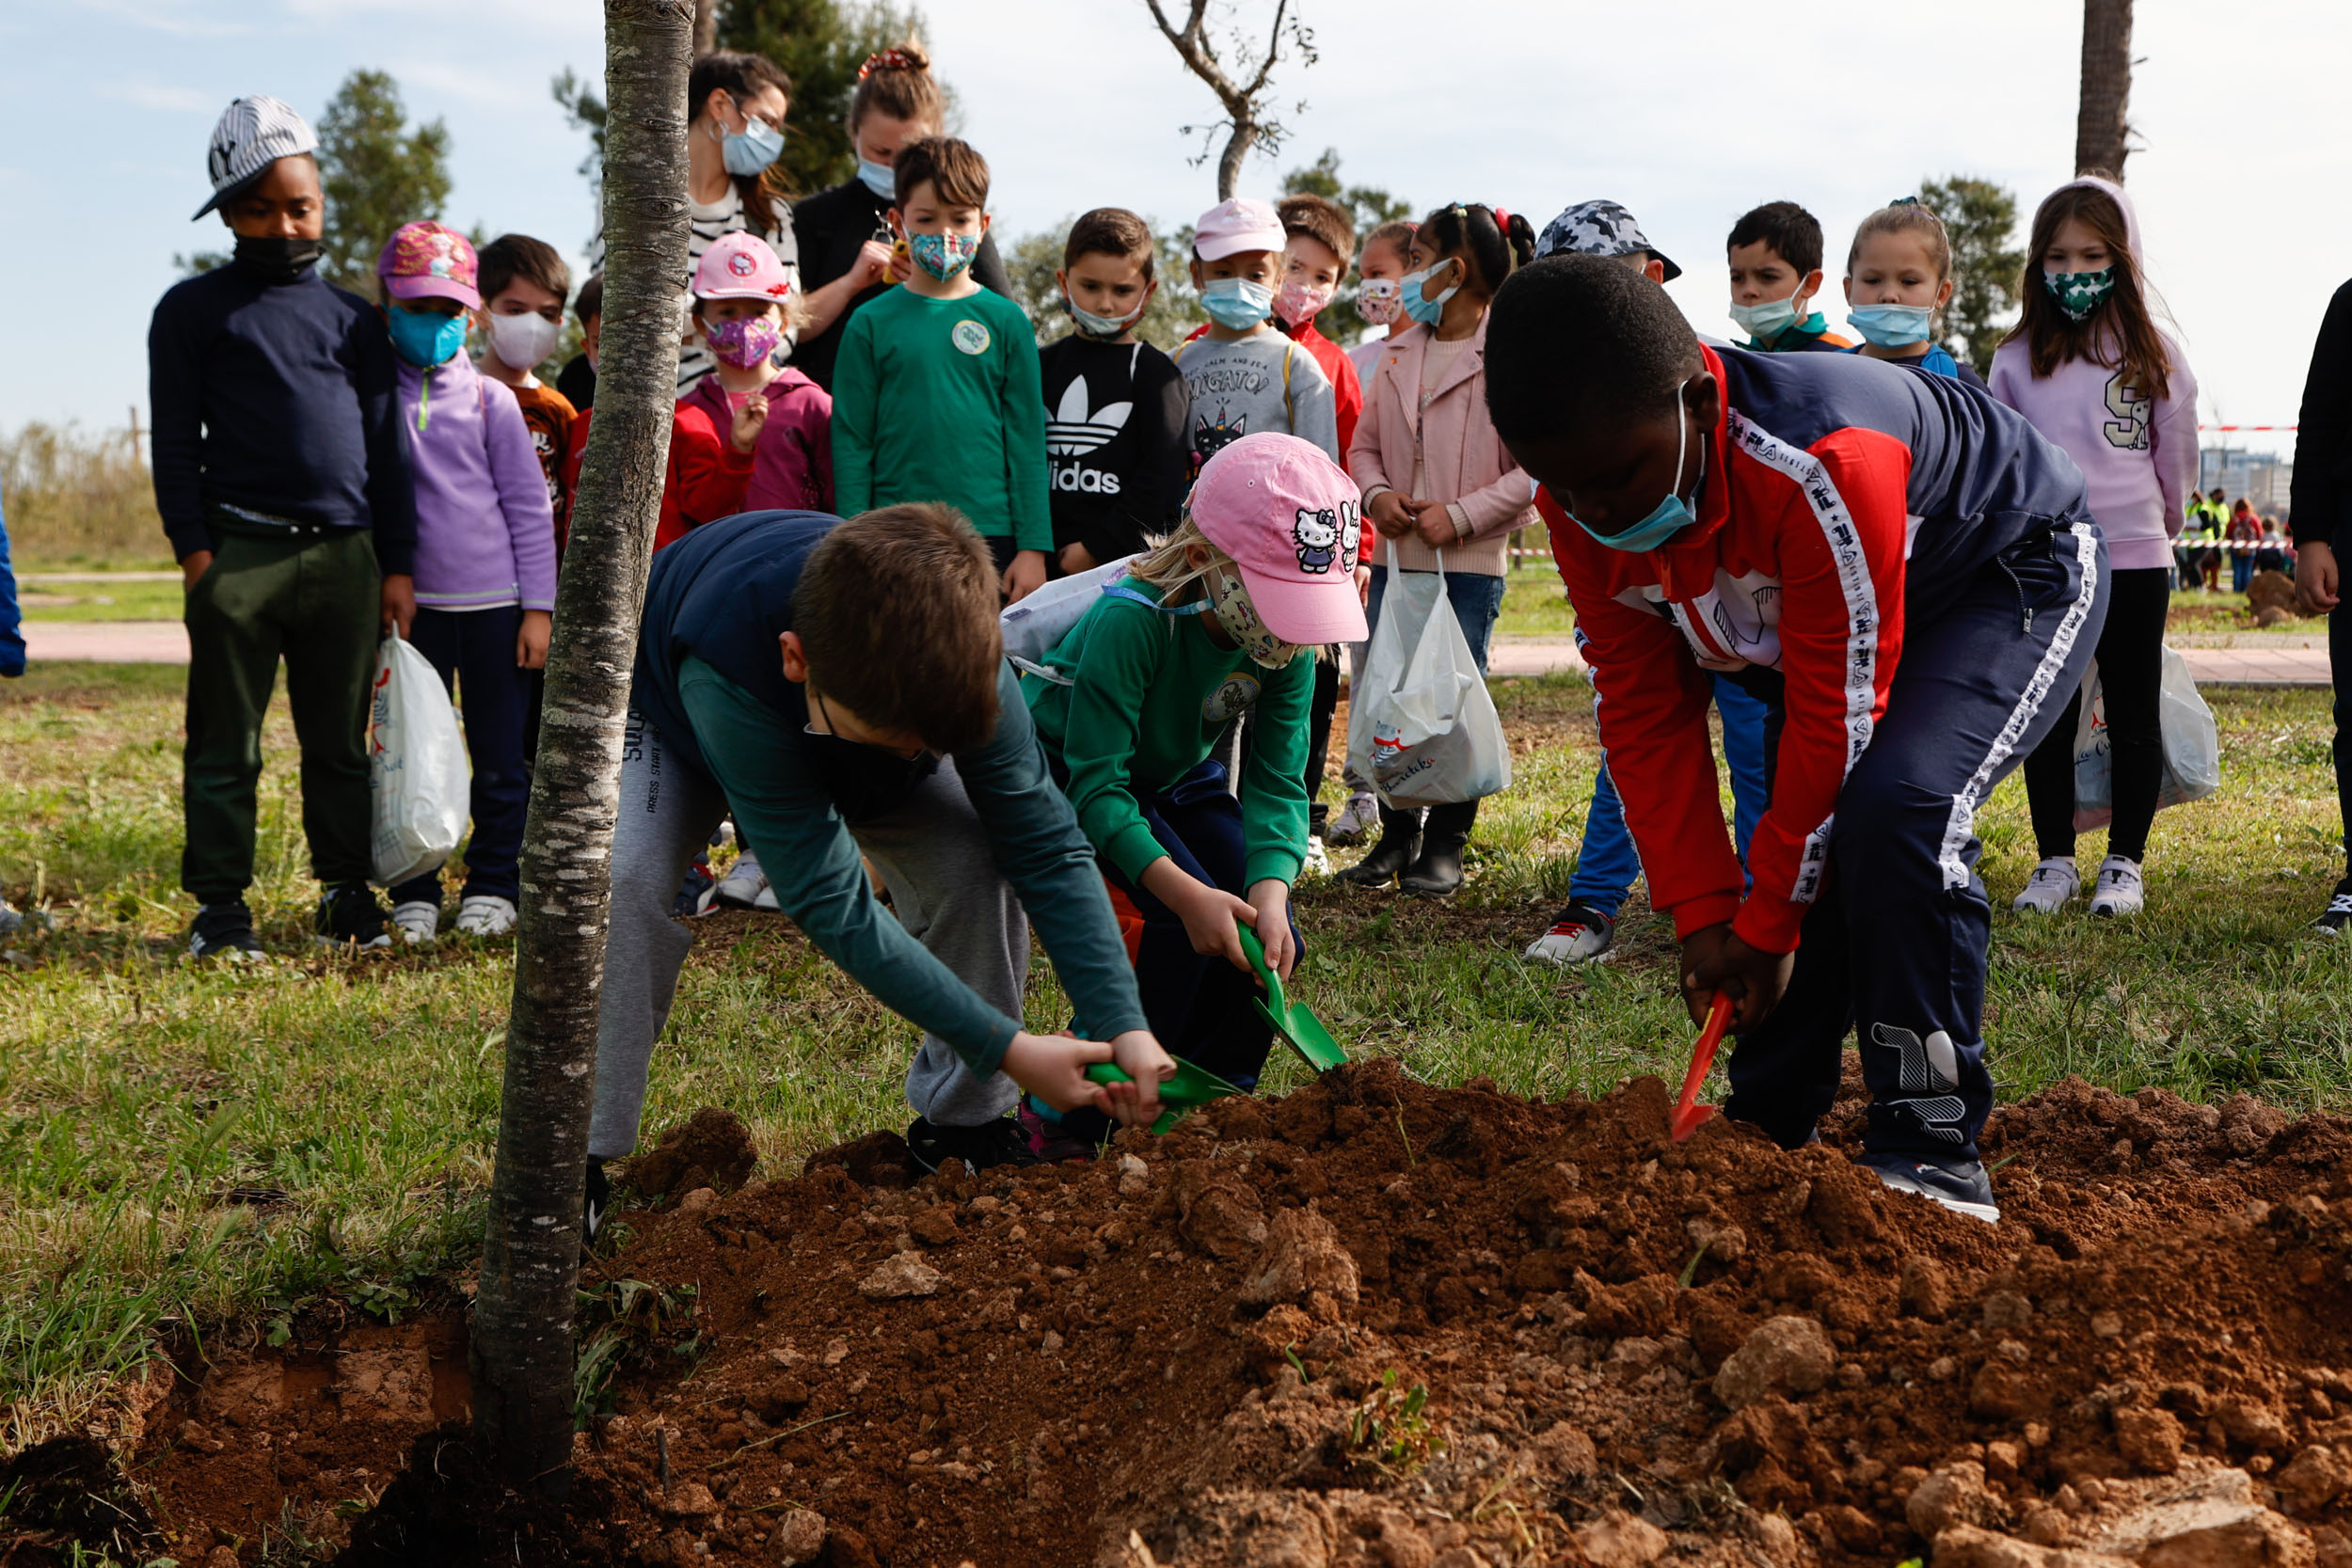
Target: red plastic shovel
{"points": [[1689, 1113]]}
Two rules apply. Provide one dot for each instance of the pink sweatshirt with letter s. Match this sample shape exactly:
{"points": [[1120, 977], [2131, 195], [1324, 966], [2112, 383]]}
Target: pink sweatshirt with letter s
{"points": [[2138, 455]]}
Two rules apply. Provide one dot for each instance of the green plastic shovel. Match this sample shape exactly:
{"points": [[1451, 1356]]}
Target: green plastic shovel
{"points": [[1299, 1028], [1191, 1088]]}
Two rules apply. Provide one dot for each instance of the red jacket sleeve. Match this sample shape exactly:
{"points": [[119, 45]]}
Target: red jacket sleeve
{"points": [[710, 475], [1841, 546], [1653, 721]]}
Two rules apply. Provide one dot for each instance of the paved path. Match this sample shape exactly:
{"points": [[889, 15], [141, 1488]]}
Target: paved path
{"points": [[2302, 661], [166, 642]]}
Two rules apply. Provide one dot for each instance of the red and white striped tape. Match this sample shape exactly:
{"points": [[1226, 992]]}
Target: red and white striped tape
{"points": [[2249, 427]]}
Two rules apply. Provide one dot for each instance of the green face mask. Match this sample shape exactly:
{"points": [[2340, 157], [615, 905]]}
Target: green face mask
{"points": [[2078, 294]]}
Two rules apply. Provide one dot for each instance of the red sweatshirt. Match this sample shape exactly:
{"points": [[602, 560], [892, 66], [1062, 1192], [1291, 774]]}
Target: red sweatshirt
{"points": [[1832, 482], [705, 479]]}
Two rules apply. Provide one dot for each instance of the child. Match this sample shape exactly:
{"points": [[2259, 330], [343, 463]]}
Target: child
{"points": [[840, 685], [2244, 536], [1377, 301], [284, 485], [1898, 274], [485, 561], [1718, 508], [1247, 379], [1115, 405], [935, 391], [1318, 246], [2088, 365], [1774, 253], [577, 381], [523, 286], [11, 666], [744, 305], [1607, 865], [1143, 685], [2323, 435], [1441, 490]]}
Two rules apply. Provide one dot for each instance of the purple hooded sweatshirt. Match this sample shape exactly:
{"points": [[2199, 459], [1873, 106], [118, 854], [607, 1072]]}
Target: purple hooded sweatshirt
{"points": [[486, 535], [2138, 455]]}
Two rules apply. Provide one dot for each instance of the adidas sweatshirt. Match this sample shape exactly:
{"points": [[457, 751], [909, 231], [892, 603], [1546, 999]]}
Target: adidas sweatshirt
{"points": [[1116, 454]]}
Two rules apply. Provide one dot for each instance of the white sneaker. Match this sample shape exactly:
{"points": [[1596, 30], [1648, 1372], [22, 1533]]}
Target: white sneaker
{"points": [[1318, 861], [746, 885], [2121, 889], [2053, 882], [418, 922], [486, 914], [1357, 821], [1579, 934]]}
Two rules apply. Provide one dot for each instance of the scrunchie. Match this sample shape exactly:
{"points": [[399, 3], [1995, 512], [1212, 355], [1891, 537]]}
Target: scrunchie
{"points": [[886, 59]]}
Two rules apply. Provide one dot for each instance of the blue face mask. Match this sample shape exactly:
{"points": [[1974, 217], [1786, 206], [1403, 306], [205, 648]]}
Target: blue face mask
{"points": [[1426, 311], [878, 178], [1236, 304], [943, 256], [425, 340], [1767, 319], [1891, 325], [751, 149], [1671, 514]]}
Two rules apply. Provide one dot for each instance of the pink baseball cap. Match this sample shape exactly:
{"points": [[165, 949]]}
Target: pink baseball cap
{"points": [[1236, 225], [427, 260], [1291, 520], [740, 266]]}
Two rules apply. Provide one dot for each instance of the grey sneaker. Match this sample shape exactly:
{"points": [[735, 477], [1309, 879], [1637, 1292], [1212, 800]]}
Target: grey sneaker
{"points": [[1357, 821], [1963, 1188], [418, 922], [1579, 934], [2052, 883], [486, 915], [745, 884], [2121, 889]]}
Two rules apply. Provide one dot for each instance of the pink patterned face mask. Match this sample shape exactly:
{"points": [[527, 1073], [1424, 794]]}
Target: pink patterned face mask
{"points": [[1300, 303], [743, 341]]}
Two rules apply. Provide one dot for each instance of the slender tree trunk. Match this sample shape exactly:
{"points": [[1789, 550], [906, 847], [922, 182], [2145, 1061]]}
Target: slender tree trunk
{"points": [[522, 1331], [705, 26], [1237, 145], [2100, 122]]}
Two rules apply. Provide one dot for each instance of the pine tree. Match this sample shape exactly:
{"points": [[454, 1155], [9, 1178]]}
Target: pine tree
{"points": [[1981, 219], [379, 174]]}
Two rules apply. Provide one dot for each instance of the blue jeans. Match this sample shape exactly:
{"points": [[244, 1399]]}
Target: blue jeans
{"points": [[474, 650], [1606, 864], [1476, 598]]}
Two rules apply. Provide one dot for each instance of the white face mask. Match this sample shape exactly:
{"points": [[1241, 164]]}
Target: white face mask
{"points": [[521, 341]]}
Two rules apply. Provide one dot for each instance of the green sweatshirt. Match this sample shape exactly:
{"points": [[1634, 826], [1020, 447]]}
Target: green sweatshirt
{"points": [[762, 760], [1153, 692], [938, 399]]}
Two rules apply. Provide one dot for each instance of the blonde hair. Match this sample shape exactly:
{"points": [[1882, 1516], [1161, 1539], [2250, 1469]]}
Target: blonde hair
{"points": [[1909, 215], [1166, 567]]}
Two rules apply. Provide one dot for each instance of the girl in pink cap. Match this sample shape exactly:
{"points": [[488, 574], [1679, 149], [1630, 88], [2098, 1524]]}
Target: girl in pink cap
{"points": [[744, 308], [1225, 616]]}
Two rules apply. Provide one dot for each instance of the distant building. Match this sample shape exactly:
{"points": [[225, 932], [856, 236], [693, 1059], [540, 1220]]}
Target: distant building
{"points": [[2262, 477]]}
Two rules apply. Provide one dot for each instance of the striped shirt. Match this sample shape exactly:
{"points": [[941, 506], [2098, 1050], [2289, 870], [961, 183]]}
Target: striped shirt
{"points": [[706, 222]]}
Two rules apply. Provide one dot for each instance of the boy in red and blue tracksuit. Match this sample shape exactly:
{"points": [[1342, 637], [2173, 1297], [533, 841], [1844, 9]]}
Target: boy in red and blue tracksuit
{"points": [[1909, 576]]}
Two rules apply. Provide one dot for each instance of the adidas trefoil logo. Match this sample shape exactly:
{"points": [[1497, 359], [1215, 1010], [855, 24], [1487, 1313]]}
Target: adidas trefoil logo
{"points": [[1072, 432]]}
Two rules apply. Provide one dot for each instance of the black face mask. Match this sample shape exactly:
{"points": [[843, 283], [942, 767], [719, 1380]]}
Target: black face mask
{"points": [[275, 259]]}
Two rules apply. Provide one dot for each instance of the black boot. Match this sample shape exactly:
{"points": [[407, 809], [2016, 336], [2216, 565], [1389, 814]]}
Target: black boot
{"points": [[1400, 841], [1438, 872]]}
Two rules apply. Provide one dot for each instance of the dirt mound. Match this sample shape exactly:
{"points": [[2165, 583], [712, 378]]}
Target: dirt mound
{"points": [[711, 1148], [65, 1493], [1375, 1323]]}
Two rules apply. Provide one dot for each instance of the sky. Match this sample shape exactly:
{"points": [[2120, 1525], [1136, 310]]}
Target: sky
{"points": [[1689, 114]]}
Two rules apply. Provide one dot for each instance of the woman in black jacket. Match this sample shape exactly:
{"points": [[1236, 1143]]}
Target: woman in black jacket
{"points": [[845, 239]]}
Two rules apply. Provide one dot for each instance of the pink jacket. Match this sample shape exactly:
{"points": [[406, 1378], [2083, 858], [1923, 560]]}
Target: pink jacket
{"points": [[793, 461], [1467, 464]]}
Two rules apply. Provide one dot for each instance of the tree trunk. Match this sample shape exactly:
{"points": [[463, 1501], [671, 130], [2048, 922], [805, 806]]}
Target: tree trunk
{"points": [[705, 26], [1237, 145], [522, 1331], [2100, 122]]}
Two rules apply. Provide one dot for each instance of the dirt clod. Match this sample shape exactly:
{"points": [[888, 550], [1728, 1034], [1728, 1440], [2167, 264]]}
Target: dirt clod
{"points": [[900, 1276], [711, 1148], [1785, 1355], [1621, 1540]]}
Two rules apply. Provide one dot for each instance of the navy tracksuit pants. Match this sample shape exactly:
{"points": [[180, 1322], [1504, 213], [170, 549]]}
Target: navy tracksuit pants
{"points": [[1894, 948], [474, 651]]}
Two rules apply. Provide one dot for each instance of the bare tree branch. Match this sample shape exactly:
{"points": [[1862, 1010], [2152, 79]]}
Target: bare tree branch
{"points": [[1247, 123]]}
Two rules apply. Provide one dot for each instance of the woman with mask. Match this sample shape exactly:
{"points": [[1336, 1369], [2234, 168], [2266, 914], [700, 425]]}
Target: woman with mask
{"points": [[1438, 487], [1898, 274], [847, 239]]}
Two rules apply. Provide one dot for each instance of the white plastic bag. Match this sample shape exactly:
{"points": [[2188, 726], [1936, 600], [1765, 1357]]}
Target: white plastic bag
{"points": [[2192, 747], [1032, 626], [1423, 729], [417, 775]]}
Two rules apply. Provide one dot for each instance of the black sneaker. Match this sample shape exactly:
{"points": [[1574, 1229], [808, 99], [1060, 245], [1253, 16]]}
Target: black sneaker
{"points": [[599, 1198], [349, 916], [2338, 914], [1963, 1188], [223, 931], [994, 1143]]}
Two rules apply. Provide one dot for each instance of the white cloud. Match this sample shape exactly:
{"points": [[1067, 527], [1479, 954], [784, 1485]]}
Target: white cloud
{"points": [[151, 95]]}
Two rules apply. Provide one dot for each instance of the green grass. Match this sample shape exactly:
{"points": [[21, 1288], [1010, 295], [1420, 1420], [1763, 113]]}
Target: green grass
{"points": [[1534, 604], [101, 601], [182, 1147]]}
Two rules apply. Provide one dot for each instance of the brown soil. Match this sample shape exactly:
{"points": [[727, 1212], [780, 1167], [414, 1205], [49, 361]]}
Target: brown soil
{"points": [[1629, 1348]]}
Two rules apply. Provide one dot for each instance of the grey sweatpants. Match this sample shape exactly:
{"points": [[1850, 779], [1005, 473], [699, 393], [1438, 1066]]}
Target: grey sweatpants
{"points": [[935, 857]]}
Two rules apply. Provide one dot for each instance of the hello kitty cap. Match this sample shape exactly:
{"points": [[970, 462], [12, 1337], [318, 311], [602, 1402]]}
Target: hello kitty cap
{"points": [[1291, 520]]}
